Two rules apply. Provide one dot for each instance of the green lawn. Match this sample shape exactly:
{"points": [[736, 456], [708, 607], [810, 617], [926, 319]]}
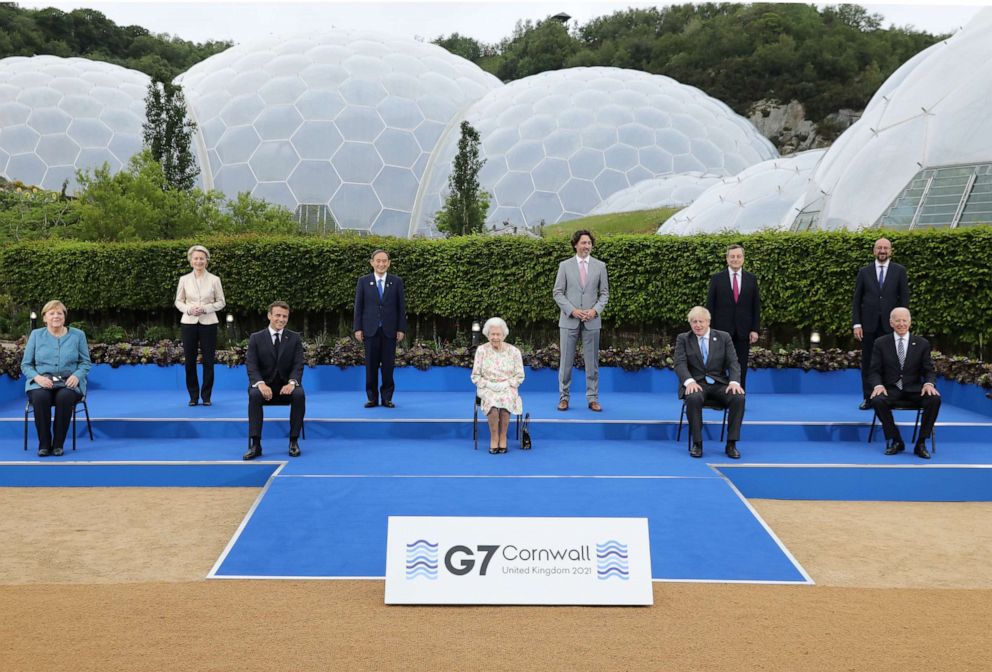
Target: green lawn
{"points": [[641, 221]]}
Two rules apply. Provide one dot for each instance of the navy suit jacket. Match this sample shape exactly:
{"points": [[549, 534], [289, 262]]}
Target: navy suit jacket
{"points": [[871, 306], [371, 311], [261, 362], [737, 319], [916, 370], [721, 366]]}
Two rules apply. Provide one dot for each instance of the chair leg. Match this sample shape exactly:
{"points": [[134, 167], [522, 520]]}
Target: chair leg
{"points": [[74, 408], [518, 427], [678, 436], [89, 427], [303, 431], [25, 428], [871, 432], [475, 426], [916, 425], [723, 426]]}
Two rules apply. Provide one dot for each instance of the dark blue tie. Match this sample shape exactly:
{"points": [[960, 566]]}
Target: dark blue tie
{"points": [[380, 288], [881, 275]]}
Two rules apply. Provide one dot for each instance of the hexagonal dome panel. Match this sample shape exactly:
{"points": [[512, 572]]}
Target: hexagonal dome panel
{"points": [[51, 107], [607, 128], [331, 96]]}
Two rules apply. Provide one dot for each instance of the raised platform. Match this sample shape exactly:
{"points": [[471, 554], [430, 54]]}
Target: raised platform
{"points": [[323, 515]]}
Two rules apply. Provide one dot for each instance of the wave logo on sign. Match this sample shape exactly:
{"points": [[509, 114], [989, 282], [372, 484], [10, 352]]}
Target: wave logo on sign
{"points": [[611, 561], [421, 560]]}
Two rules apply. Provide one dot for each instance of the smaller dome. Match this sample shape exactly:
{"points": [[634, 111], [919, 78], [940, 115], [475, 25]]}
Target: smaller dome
{"points": [[762, 197], [60, 115], [668, 191]]}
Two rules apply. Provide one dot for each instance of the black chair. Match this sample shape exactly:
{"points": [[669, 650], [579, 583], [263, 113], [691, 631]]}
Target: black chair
{"points": [[711, 405], [29, 410], [906, 406], [475, 423]]}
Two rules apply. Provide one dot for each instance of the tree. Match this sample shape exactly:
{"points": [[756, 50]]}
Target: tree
{"points": [[168, 133], [466, 206]]}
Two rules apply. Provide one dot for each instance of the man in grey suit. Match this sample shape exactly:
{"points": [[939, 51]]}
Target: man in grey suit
{"points": [[581, 291], [707, 367]]}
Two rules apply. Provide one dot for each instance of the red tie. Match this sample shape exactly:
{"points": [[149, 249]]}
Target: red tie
{"points": [[737, 289]]}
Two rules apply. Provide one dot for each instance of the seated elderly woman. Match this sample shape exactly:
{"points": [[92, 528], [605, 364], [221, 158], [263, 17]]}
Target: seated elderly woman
{"points": [[497, 373], [56, 361]]}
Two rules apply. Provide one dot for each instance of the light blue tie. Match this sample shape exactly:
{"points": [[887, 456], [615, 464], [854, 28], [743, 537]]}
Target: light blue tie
{"points": [[380, 289], [704, 347]]}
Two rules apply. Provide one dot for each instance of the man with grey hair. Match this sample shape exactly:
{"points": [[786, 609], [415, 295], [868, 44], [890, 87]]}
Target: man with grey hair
{"points": [[902, 370], [880, 287], [706, 364], [735, 304], [581, 292], [379, 323]]}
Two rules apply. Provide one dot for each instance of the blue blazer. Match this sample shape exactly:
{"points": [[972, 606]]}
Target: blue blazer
{"points": [[69, 355], [371, 311]]}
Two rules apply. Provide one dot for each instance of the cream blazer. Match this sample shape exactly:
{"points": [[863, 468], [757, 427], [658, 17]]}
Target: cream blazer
{"points": [[204, 292]]}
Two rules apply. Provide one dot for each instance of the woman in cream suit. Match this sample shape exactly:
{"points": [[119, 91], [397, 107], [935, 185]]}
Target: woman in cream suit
{"points": [[199, 297]]}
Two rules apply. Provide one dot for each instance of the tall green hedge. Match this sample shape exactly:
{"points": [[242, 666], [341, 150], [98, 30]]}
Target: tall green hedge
{"points": [[806, 279]]}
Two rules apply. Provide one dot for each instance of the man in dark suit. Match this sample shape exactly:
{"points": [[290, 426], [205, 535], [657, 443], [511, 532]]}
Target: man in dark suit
{"points": [[735, 304], [380, 321], [275, 369], [706, 364], [902, 370], [880, 287]]}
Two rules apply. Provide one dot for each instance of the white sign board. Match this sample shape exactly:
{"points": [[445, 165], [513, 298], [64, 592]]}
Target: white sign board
{"points": [[450, 560]]}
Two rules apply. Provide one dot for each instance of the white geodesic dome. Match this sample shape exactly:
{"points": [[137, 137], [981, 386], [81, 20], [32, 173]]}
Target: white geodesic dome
{"points": [[922, 149], [343, 121], [58, 115], [558, 143], [668, 191], [761, 197]]}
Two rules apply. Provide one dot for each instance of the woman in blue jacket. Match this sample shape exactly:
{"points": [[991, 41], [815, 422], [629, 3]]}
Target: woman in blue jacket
{"points": [[56, 361]]}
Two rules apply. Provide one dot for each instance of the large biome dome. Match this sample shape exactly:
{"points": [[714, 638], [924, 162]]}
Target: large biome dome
{"points": [[58, 115], [338, 124], [921, 155], [558, 143], [668, 191]]}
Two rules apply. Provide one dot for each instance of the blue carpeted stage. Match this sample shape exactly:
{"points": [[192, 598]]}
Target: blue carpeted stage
{"points": [[324, 514]]}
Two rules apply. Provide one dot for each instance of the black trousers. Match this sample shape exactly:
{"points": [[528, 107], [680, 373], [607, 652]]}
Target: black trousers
{"points": [[202, 337], [42, 400], [380, 353], [715, 392], [883, 408], [297, 401], [742, 346]]}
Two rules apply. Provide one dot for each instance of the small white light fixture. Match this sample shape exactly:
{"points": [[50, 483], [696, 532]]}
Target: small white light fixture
{"points": [[476, 328], [34, 315], [814, 338], [229, 319]]}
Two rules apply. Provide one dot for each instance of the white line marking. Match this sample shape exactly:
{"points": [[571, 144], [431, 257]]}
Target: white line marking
{"points": [[244, 521], [761, 521], [659, 477]]}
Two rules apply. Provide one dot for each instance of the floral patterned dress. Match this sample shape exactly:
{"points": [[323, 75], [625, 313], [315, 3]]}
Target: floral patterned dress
{"points": [[496, 376]]}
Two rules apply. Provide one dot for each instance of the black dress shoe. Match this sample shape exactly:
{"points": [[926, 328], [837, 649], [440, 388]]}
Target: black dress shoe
{"points": [[494, 450], [371, 404], [895, 447], [696, 450], [502, 449], [57, 451], [207, 402], [193, 402], [865, 405], [389, 404], [294, 448], [731, 450], [254, 451], [921, 451], [44, 451]]}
